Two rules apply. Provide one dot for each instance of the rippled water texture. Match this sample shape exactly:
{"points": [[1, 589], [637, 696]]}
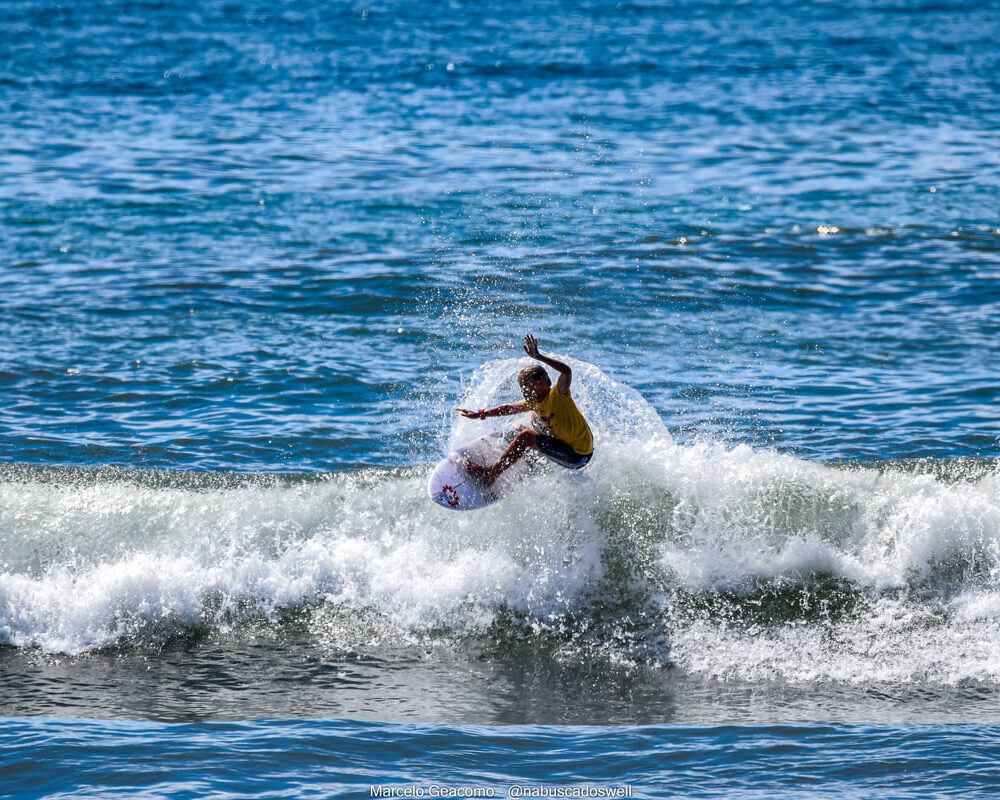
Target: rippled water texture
{"points": [[278, 236], [338, 759]]}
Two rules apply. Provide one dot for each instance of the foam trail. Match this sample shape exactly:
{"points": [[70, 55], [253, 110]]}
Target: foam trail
{"points": [[214, 558], [739, 564]]}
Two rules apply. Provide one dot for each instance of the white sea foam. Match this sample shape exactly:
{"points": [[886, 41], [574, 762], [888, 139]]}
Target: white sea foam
{"points": [[368, 541], [90, 560]]}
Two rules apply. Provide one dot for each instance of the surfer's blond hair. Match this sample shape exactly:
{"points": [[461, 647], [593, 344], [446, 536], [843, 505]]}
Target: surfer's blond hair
{"points": [[533, 373]]}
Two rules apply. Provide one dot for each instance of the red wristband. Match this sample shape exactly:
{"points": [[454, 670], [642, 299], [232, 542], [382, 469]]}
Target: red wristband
{"points": [[482, 414]]}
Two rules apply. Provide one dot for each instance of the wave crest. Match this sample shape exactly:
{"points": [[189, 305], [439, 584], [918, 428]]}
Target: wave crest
{"points": [[725, 562]]}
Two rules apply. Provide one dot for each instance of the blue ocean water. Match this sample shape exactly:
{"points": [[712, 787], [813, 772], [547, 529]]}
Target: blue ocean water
{"points": [[85, 758], [253, 255]]}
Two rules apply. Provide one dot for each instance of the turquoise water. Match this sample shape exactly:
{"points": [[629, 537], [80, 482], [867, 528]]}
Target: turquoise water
{"points": [[253, 255]]}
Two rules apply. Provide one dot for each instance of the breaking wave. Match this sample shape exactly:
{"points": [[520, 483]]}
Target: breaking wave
{"points": [[723, 562]]}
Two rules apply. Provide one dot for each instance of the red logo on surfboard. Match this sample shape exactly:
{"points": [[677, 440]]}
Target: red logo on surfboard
{"points": [[450, 495]]}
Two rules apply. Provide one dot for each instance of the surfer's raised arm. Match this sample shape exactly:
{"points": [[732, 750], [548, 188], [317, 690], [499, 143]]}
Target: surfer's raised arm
{"points": [[565, 373]]}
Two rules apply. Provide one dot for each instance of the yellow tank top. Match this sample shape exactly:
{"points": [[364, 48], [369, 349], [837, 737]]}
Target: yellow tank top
{"points": [[564, 420]]}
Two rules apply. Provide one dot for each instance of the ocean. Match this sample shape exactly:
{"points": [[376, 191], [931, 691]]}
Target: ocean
{"points": [[253, 256]]}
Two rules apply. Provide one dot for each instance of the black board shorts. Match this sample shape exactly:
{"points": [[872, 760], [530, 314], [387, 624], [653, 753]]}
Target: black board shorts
{"points": [[561, 453]]}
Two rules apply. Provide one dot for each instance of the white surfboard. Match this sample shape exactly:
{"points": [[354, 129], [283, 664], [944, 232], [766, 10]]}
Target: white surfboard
{"points": [[451, 486]]}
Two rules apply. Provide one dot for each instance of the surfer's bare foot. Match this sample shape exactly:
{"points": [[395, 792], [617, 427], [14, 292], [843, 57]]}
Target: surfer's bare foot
{"points": [[482, 474]]}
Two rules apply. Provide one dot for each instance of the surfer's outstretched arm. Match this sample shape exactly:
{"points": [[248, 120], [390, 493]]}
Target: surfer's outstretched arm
{"points": [[506, 410], [565, 373]]}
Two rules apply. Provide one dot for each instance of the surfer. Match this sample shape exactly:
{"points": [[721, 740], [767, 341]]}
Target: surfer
{"points": [[559, 430]]}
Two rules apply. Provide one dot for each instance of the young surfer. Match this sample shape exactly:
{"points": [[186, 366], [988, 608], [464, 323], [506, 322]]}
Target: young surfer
{"points": [[559, 430]]}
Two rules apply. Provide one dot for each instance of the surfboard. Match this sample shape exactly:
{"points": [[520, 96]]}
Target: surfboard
{"points": [[452, 487]]}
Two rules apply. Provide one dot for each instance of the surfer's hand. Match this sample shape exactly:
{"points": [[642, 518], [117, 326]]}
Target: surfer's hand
{"points": [[531, 346], [469, 414]]}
